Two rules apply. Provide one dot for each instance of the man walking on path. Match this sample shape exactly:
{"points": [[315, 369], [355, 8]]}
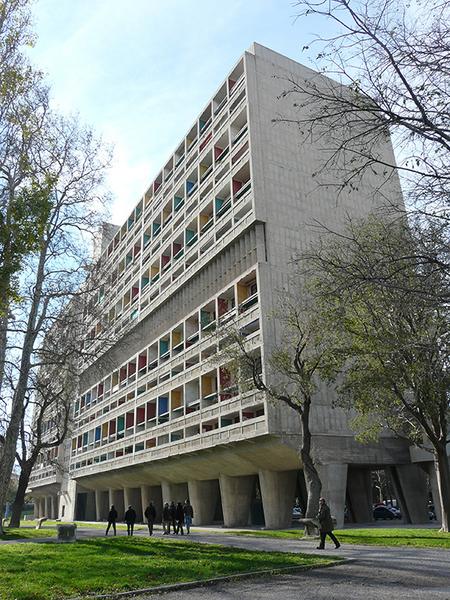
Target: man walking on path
{"points": [[166, 518], [130, 520], [180, 518], [325, 525], [173, 517], [112, 518], [188, 515], [150, 515]]}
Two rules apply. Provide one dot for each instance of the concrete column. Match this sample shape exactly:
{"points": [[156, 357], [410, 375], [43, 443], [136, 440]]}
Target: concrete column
{"points": [[178, 492], [36, 508], [53, 505], [203, 496], [411, 485], [334, 485], [359, 484], [431, 468], [90, 514], [278, 497], [132, 497], [101, 505], [145, 496], [236, 493], [116, 497], [48, 507]]}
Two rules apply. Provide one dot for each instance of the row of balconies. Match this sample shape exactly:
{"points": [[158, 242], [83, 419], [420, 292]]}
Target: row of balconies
{"points": [[235, 300], [123, 446], [210, 121]]}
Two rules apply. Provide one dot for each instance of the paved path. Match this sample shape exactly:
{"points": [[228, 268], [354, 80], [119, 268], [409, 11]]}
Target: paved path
{"points": [[374, 573]]}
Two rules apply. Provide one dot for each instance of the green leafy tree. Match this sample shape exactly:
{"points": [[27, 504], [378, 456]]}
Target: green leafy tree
{"points": [[382, 309]]}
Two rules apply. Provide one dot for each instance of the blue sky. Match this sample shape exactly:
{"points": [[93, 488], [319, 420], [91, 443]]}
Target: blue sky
{"points": [[140, 71]]}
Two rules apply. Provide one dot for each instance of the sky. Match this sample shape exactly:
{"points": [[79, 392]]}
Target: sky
{"points": [[140, 71]]}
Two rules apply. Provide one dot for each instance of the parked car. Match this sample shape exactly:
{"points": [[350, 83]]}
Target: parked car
{"points": [[386, 512], [297, 513]]}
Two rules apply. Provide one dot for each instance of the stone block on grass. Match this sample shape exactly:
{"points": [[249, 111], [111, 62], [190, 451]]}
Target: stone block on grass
{"points": [[67, 532]]}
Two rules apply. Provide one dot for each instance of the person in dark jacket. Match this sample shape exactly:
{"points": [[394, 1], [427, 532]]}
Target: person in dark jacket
{"points": [[130, 520], [325, 525], [112, 518], [180, 518], [188, 515], [166, 518], [173, 516], [150, 515]]}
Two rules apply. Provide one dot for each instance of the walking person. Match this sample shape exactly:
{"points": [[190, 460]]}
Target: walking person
{"points": [[150, 515], [173, 516], [112, 518], [166, 519], [130, 520], [325, 525], [180, 518], [188, 515]]}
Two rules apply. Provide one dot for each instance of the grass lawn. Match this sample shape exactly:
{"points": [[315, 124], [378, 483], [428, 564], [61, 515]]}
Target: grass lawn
{"points": [[54, 571], [27, 530], [419, 538]]}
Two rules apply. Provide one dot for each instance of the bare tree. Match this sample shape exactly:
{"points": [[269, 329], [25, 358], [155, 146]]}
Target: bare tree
{"points": [[75, 161], [292, 378], [388, 76]]}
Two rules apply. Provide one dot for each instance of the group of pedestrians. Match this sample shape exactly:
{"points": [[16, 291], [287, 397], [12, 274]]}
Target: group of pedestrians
{"points": [[175, 515]]}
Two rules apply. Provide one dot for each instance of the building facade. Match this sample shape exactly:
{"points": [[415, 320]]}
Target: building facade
{"points": [[210, 242]]}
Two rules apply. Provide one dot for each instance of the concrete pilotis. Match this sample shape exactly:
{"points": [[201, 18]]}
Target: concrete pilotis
{"points": [[278, 496], [435, 491], [48, 507], [334, 485], [101, 505], [116, 497], [54, 506], [236, 493], [413, 493], [359, 486], [90, 514], [178, 492], [132, 497], [203, 496]]}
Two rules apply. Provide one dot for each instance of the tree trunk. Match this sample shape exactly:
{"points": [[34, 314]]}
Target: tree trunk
{"points": [[443, 479], [19, 500], [312, 479], [8, 448]]}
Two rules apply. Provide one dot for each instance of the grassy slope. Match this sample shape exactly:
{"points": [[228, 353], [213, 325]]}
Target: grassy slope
{"points": [[53, 571], [419, 538]]}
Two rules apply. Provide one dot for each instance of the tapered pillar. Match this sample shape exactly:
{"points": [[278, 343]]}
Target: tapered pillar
{"points": [[132, 497], [48, 507], [411, 484], [116, 498], [36, 508], [54, 506], [101, 505], [278, 497], [42, 504], [203, 496], [236, 494], [90, 514], [359, 484], [178, 492], [334, 485], [435, 491]]}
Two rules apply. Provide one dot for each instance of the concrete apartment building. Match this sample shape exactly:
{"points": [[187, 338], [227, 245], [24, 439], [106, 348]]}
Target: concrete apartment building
{"points": [[210, 242]]}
